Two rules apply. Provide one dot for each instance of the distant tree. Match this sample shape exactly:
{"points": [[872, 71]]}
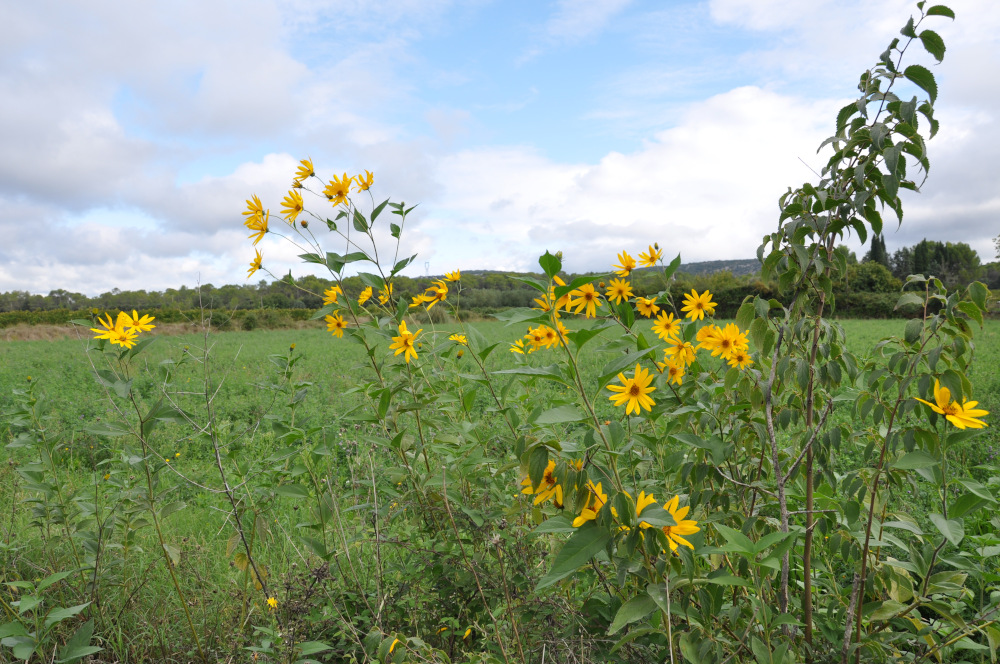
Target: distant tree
{"points": [[852, 258], [873, 277], [901, 263], [877, 253]]}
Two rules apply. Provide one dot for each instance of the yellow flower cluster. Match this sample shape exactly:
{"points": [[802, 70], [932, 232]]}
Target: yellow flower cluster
{"points": [[404, 343], [962, 415], [728, 342], [124, 329]]}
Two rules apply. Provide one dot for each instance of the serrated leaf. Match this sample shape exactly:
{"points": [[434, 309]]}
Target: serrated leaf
{"points": [[550, 263], [924, 79], [933, 43], [632, 611], [585, 543], [941, 10]]}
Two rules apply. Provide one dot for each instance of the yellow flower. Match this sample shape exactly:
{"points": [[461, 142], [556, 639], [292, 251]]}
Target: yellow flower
{"points": [[517, 347], [330, 294], [697, 306], [384, 294], [254, 210], [627, 264], [118, 332], [291, 205], [675, 371], [363, 183], [107, 476], [586, 298], [437, 292], [666, 326], [393, 646], [258, 224], [255, 264], [645, 500], [459, 339], [684, 526], [549, 487], [679, 351], [729, 339], [619, 290], [646, 306], [740, 359], [961, 415], [633, 393], [366, 295], [305, 170], [404, 342], [596, 499], [272, 603], [338, 189], [652, 258], [335, 324], [165, 460], [708, 337], [453, 276], [547, 302], [143, 324], [177, 456], [443, 629], [536, 337], [468, 633]]}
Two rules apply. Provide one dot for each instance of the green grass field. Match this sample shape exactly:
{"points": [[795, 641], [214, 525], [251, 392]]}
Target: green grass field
{"points": [[143, 631]]}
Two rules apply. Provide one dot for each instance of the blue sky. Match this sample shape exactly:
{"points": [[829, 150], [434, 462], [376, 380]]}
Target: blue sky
{"points": [[132, 133]]}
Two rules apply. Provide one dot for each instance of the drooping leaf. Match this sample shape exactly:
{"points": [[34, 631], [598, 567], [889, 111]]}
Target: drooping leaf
{"points": [[585, 543]]}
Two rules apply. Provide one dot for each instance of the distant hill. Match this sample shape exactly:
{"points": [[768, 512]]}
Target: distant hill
{"points": [[739, 267]]}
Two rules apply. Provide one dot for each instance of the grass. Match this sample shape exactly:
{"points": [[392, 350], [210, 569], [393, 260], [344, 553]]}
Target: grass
{"points": [[142, 630]]}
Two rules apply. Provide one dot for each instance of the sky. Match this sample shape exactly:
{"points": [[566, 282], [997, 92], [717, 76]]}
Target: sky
{"points": [[132, 133]]}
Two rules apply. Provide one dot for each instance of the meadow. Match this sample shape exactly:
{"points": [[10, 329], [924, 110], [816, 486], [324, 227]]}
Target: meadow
{"points": [[133, 623]]}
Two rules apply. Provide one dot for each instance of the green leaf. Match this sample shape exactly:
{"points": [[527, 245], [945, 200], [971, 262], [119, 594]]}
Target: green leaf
{"points": [[50, 579], [612, 368], [60, 614], [522, 315], [378, 210], [972, 311], [78, 645], [555, 524], [551, 372], [580, 337], [292, 491], [907, 299], [941, 10], [312, 647], [978, 489], [585, 543], [538, 460], [395, 230], [737, 540], [914, 460], [913, 329], [670, 269], [27, 603], [560, 415], [933, 43], [12, 629], [402, 264], [551, 264], [312, 258], [360, 223], [745, 316], [952, 529], [923, 78], [632, 611]]}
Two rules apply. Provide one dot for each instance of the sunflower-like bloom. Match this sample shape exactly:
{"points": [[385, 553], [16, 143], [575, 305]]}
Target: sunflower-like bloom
{"points": [[549, 487], [255, 264], [253, 211], [654, 256], [633, 393], [679, 351], [291, 206], [338, 189], [459, 339], [453, 276], [436, 292], [619, 290], [331, 293], [646, 306], [384, 294], [696, 307], [644, 501], [536, 338], [728, 340], [563, 330], [962, 415], [708, 338], [335, 324], [586, 299], [305, 170], [137, 323], [547, 302], [272, 603], [740, 359], [517, 346], [675, 534], [364, 182], [627, 264], [259, 226], [666, 326], [674, 370], [404, 343], [366, 295], [596, 499], [117, 332]]}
